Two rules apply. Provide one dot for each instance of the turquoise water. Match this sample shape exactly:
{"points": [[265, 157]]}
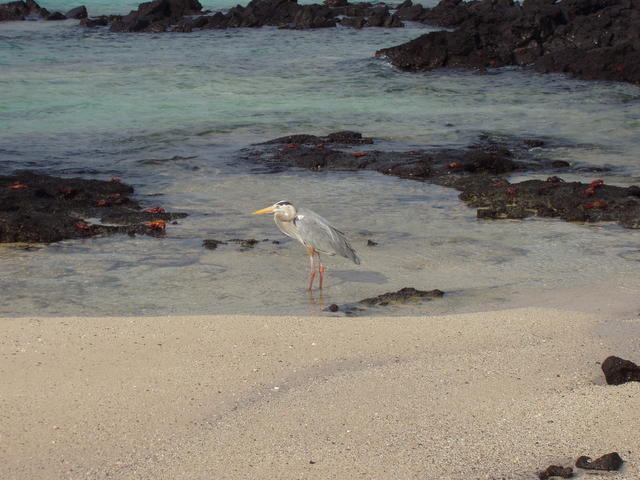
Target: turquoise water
{"points": [[168, 113]]}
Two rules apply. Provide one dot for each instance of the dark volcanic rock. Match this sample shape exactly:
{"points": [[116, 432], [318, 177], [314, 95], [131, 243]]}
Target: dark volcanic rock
{"points": [[179, 16], [479, 171], [78, 12], [617, 371], [555, 471], [263, 12], [245, 242], [288, 14], [572, 201], [212, 243], [618, 63], [101, 21], [408, 11], [314, 16], [345, 137], [41, 208], [404, 295], [594, 39], [56, 16], [610, 461], [21, 10], [315, 153], [156, 16]]}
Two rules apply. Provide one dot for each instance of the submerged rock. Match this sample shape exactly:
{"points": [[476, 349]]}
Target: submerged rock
{"points": [[333, 152], [245, 243], [42, 209], [591, 40], [610, 461], [618, 371], [212, 243], [404, 295]]}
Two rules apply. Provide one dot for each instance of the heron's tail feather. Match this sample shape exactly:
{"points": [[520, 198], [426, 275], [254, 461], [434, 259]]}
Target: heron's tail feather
{"points": [[351, 254]]}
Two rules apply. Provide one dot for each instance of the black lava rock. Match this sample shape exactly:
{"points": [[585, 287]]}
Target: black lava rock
{"points": [[479, 171], [56, 16], [38, 208], [20, 10], [212, 243], [610, 461], [617, 371], [404, 295], [184, 16], [78, 12], [555, 471], [155, 16], [587, 39]]}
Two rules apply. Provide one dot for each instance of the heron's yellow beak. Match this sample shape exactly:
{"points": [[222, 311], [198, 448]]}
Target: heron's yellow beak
{"points": [[264, 210]]}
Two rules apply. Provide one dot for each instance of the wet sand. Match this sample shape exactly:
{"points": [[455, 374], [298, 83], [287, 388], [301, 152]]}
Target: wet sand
{"points": [[473, 396]]}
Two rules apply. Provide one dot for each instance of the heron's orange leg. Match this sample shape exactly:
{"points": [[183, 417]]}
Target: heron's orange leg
{"points": [[312, 273], [320, 271]]}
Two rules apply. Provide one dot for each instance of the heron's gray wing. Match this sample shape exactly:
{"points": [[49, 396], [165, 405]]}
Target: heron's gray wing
{"points": [[314, 231]]}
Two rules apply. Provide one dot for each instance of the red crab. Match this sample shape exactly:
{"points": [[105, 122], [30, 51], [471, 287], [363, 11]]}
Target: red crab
{"points": [[591, 189], [157, 225], [82, 226], [596, 204]]}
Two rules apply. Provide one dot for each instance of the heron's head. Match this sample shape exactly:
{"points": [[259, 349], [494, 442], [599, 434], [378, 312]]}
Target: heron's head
{"points": [[282, 209]]}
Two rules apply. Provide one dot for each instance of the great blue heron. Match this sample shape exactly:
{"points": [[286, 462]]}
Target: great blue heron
{"points": [[312, 231]]}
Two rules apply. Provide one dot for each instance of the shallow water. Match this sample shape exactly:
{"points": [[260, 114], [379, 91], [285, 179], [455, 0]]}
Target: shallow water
{"points": [[168, 114]]}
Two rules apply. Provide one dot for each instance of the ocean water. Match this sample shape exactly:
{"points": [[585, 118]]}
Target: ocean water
{"points": [[168, 114]]}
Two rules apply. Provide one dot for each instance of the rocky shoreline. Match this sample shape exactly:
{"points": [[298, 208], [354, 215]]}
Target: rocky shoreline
{"points": [[587, 39], [39, 208], [30, 10], [592, 40], [480, 171]]}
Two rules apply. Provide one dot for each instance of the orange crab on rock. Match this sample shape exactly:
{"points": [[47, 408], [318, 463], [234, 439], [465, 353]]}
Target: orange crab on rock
{"points": [[157, 225]]}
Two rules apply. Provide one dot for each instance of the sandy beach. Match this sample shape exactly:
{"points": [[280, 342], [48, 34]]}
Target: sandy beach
{"points": [[474, 396]]}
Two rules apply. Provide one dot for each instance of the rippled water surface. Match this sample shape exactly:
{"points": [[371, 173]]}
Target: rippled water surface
{"points": [[168, 113]]}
